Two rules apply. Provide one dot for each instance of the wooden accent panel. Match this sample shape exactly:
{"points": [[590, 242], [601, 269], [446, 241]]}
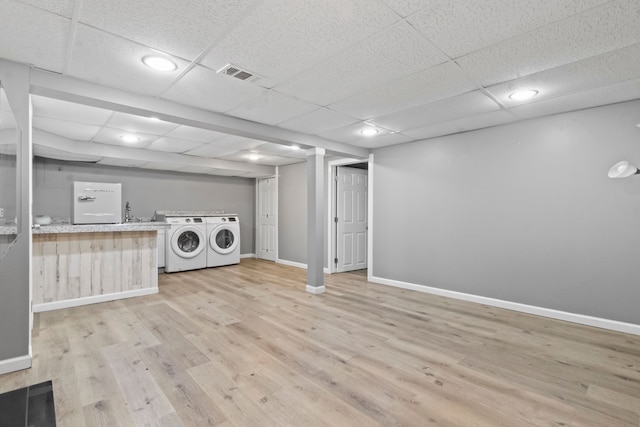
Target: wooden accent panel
{"points": [[76, 265]]}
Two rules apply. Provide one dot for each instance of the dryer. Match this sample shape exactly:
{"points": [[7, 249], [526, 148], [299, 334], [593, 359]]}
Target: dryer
{"points": [[186, 244], [223, 240]]}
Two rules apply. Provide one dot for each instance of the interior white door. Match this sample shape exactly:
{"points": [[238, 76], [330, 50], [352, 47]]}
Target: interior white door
{"points": [[267, 218], [351, 224]]}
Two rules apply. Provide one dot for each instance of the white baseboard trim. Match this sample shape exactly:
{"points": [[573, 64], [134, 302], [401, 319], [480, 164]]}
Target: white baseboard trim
{"points": [[15, 364], [298, 264], [315, 289], [597, 322], [247, 256], [76, 302]]}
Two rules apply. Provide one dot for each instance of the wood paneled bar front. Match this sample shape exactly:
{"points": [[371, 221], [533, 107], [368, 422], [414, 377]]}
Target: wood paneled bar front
{"points": [[75, 265]]}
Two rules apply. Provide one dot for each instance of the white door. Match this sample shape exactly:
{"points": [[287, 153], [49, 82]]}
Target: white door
{"points": [[351, 224], [267, 218]]}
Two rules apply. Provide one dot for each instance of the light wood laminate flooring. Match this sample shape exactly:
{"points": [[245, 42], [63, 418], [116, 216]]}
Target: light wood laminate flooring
{"points": [[245, 345]]}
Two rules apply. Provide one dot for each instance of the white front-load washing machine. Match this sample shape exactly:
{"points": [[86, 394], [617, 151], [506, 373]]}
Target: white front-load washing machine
{"points": [[223, 235], [186, 244]]}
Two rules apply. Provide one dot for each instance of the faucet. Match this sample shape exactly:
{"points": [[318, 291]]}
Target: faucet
{"points": [[127, 213]]}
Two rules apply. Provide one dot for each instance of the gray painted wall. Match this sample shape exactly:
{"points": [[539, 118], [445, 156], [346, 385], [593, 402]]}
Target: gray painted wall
{"points": [[148, 191], [292, 213], [522, 212]]}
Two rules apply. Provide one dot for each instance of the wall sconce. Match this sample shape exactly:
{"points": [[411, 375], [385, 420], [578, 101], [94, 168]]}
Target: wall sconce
{"points": [[623, 169]]}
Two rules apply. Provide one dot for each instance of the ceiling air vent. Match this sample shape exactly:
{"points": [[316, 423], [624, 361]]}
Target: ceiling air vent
{"points": [[238, 73]]}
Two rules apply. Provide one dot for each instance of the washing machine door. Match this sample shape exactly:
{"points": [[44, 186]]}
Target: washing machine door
{"points": [[224, 239], [188, 242]]}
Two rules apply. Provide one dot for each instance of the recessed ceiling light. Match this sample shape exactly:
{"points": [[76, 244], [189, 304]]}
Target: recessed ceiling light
{"points": [[523, 95], [295, 147], [369, 131], [253, 156], [130, 138], [154, 118], [159, 63]]}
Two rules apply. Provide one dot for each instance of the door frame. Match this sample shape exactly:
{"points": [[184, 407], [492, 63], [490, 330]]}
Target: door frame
{"points": [[257, 215], [331, 209]]}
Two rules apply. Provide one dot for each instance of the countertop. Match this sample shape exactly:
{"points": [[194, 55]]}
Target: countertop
{"points": [[99, 228]]}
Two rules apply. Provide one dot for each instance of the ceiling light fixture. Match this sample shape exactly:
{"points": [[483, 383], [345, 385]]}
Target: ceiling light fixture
{"points": [[523, 95], [253, 156], [159, 63], [369, 131], [130, 138], [295, 147], [623, 169]]}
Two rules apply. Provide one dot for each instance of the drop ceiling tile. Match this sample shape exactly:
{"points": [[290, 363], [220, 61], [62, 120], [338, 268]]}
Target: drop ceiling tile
{"points": [[133, 123], [210, 151], [33, 36], [59, 7], [113, 137], [281, 150], [479, 121], [108, 60], [172, 145], [76, 131], [7, 121], [405, 8], [228, 172], [264, 159], [113, 161], [161, 166], [468, 104], [317, 120], [166, 25], [203, 88], [224, 146], [426, 86], [196, 169], [618, 92], [69, 111], [271, 108], [54, 153], [600, 30], [382, 140], [477, 24], [4, 102], [281, 38], [190, 133], [603, 70], [351, 134], [392, 54]]}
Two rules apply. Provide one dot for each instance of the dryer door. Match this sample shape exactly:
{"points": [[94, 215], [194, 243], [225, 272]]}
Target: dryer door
{"points": [[187, 242], [224, 239]]}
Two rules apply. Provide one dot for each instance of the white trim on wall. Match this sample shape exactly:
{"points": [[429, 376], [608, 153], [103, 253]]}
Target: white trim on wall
{"points": [[298, 265], [370, 221], [247, 256], [597, 322], [56, 305], [15, 364]]}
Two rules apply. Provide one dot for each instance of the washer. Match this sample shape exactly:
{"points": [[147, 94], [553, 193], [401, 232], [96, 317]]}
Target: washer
{"points": [[186, 242], [223, 235]]}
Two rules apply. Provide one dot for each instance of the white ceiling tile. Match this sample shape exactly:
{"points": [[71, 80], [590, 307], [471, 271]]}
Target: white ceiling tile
{"points": [[225, 172], [224, 146], [7, 121], [352, 134], [4, 102], [203, 88], [477, 24], [172, 145], [59, 7], [264, 159], [69, 111], [406, 7], [426, 86], [54, 153], [271, 108], [594, 32], [619, 92], [453, 108], [161, 166], [190, 133], [479, 121], [33, 36], [111, 161], [133, 123], [196, 169], [174, 27], [281, 150], [382, 140], [211, 151], [114, 137], [71, 130], [112, 61], [281, 38], [317, 121], [602, 70], [390, 55]]}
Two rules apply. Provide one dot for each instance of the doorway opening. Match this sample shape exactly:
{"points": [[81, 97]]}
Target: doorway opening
{"points": [[349, 215]]}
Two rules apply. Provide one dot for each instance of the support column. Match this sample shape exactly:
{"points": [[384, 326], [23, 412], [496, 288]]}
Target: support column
{"points": [[315, 225]]}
